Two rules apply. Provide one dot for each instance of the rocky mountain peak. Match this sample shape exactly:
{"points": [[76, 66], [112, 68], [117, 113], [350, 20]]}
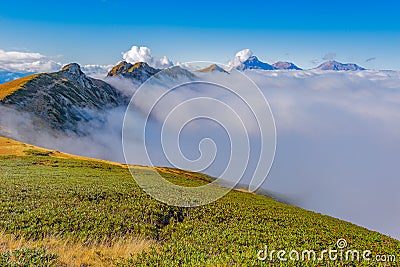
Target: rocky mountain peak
{"points": [[140, 71], [73, 69], [121, 67], [334, 65], [252, 58], [254, 63], [284, 65], [212, 68]]}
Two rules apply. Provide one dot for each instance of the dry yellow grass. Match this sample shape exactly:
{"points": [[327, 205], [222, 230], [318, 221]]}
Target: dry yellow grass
{"points": [[244, 190], [12, 86], [15, 148], [179, 172], [72, 253], [9, 147], [208, 69]]}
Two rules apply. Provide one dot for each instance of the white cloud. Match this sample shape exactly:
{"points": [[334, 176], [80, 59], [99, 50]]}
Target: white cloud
{"points": [[329, 56], [240, 57], [27, 62], [96, 71], [13, 56], [143, 54]]}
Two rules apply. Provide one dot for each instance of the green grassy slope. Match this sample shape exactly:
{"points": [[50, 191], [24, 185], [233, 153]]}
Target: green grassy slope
{"points": [[85, 201]]}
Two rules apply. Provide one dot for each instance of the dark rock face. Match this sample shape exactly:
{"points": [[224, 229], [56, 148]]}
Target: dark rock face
{"points": [[62, 99], [334, 65], [281, 65], [72, 69]]}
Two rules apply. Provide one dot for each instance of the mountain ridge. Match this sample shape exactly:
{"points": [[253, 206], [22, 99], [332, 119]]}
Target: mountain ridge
{"points": [[60, 99], [212, 68], [338, 66], [253, 63], [284, 65], [140, 71]]}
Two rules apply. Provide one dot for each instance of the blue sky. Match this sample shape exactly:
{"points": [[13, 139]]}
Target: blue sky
{"points": [[96, 32]]}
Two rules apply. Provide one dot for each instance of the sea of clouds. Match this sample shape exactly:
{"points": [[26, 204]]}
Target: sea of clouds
{"points": [[338, 143]]}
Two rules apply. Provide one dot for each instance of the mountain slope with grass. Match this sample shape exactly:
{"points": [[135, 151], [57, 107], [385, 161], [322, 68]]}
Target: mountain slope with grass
{"points": [[62, 210]]}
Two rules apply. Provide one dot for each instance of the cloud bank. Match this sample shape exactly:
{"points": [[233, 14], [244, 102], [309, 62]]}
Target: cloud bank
{"points": [[338, 144], [329, 56], [143, 54], [27, 62], [96, 71], [370, 59]]}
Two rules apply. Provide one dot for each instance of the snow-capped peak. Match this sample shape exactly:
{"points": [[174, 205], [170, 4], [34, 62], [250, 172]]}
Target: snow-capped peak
{"points": [[240, 57]]}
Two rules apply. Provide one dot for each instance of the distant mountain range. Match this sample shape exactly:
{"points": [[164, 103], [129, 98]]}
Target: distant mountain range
{"points": [[334, 65], [253, 63], [141, 71], [281, 65], [60, 100]]}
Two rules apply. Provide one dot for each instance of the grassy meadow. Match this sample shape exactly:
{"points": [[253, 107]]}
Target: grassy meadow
{"points": [[61, 210]]}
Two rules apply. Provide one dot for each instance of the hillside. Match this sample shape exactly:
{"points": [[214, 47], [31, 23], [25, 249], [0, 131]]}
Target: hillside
{"points": [[61, 210]]}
